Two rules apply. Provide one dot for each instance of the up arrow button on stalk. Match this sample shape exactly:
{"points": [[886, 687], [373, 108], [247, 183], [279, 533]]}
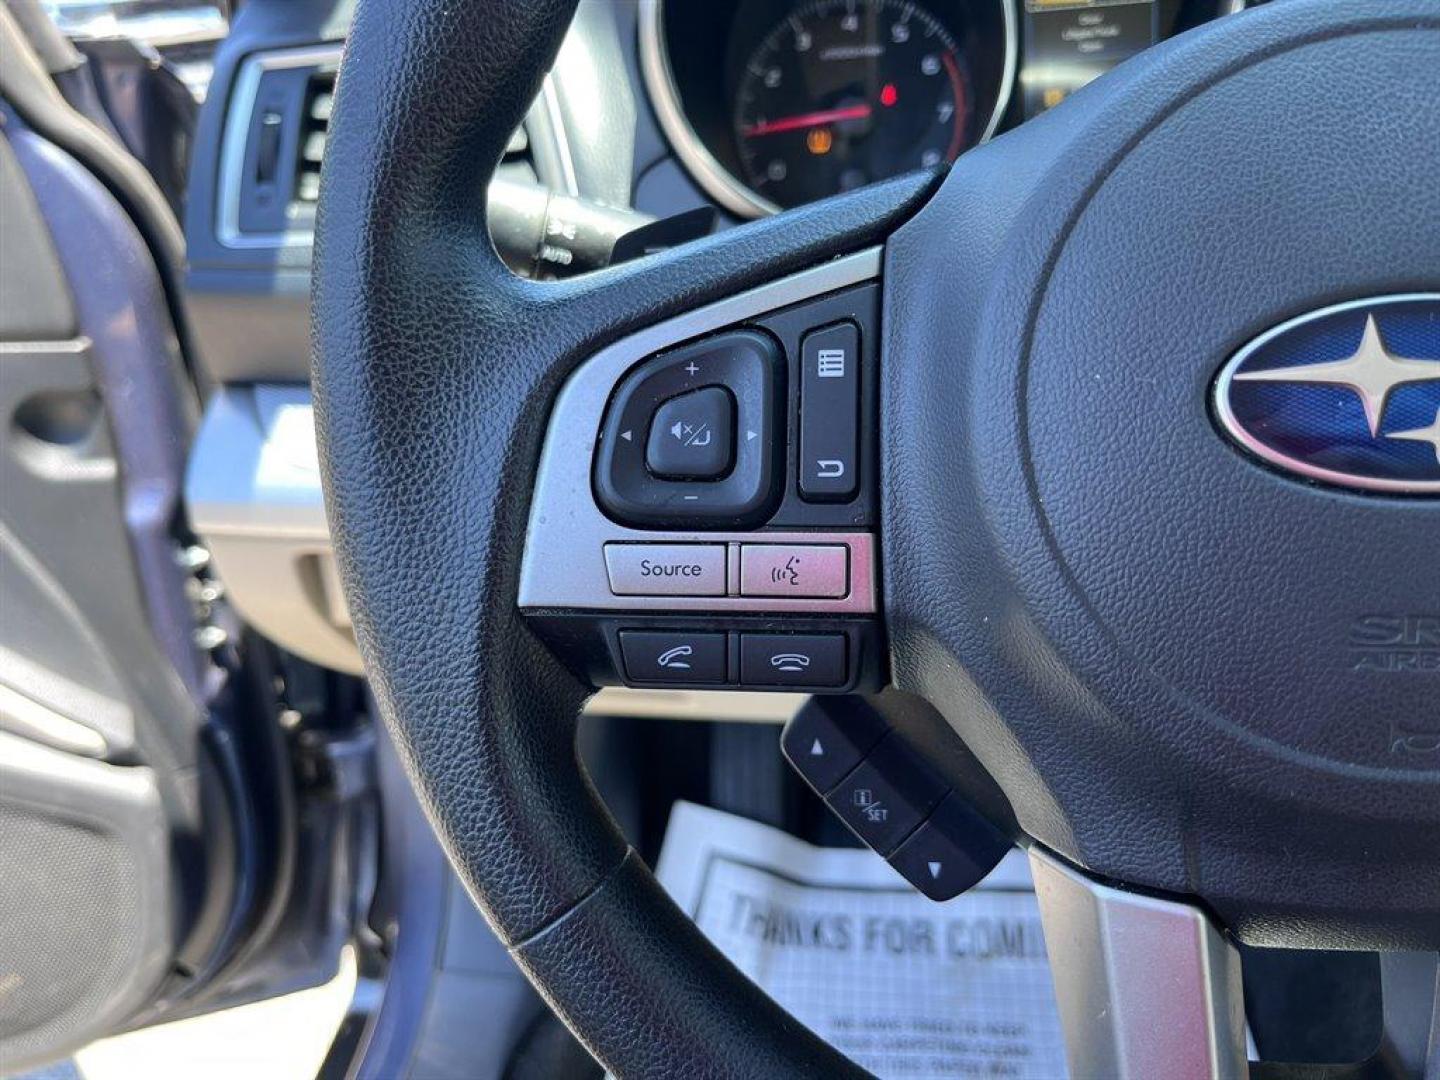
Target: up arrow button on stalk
{"points": [[828, 737]]}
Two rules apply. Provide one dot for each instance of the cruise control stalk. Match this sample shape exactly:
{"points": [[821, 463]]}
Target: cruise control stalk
{"points": [[541, 233]]}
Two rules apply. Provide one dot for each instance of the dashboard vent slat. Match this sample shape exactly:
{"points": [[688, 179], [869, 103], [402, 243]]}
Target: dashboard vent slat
{"points": [[315, 125]]}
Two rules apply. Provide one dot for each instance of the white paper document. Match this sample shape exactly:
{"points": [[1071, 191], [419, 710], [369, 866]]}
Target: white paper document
{"points": [[902, 985]]}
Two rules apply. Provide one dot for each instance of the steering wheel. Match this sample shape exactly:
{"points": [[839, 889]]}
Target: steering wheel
{"points": [[1205, 682]]}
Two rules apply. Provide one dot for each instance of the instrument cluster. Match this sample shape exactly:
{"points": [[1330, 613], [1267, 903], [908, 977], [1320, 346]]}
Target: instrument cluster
{"points": [[775, 103]]}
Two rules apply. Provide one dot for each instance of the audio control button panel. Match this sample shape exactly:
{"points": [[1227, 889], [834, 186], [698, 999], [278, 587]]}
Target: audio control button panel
{"points": [[706, 502], [694, 437]]}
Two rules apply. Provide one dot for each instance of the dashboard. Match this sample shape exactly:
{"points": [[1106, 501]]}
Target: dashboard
{"points": [[775, 103], [660, 107]]}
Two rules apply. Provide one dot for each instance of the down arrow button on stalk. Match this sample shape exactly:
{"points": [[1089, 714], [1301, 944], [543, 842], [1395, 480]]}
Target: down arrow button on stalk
{"points": [[951, 851]]}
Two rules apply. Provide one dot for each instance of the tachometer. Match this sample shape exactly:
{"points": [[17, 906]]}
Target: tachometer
{"points": [[842, 93]]}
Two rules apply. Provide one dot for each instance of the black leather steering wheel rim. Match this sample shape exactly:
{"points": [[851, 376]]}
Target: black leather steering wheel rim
{"points": [[434, 370]]}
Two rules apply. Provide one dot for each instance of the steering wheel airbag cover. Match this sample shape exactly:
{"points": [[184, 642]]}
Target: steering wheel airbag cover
{"points": [[1154, 631]]}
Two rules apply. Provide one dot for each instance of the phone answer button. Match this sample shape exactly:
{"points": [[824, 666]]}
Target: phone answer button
{"points": [[673, 656], [792, 659]]}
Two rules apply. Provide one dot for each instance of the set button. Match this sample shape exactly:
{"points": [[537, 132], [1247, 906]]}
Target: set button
{"points": [[887, 795]]}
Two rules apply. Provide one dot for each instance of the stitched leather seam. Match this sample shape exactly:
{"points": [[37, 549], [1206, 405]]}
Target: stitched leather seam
{"points": [[534, 936]]}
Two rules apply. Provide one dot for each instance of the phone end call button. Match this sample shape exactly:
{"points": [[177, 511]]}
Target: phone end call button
{"points": [[673, 656], [792, 659]]}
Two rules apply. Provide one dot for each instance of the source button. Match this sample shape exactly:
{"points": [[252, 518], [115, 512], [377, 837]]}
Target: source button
{"points": [[666, 569]]}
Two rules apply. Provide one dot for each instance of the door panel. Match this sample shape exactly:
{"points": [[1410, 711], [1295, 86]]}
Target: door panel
{"points": [[88, 925], [187, 817], [98, 728], [246, 850]]}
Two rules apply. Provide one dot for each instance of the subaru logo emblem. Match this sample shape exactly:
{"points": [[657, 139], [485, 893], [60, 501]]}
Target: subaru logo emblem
{"points": [[1346, 395]]}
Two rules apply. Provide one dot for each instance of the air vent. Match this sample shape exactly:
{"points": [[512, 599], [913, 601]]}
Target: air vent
{"points": [[270, 178], [315, 123], [517, 164]]}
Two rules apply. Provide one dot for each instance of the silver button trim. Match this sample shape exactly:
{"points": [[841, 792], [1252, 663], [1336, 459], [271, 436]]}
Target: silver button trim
{"points": [[564, 563]]}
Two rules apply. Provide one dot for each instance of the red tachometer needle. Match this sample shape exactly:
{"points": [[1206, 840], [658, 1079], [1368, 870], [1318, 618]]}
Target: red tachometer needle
{"points": [[808, 120]]}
